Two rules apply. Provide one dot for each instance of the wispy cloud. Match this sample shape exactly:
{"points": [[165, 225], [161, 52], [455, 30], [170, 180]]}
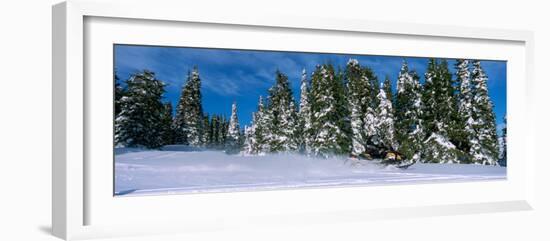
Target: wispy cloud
{"points": [[236, 75]]}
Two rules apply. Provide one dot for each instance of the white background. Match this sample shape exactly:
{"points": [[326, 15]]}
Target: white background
{"points": [[25, 120]]}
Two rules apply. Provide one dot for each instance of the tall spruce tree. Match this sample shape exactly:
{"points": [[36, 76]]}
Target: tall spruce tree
{"points": [[249, 140], [262, 133], [362, 100], [223, 131], [485, 150], [358, 103], [205, 134], [233, 139], [256, 135], [465, 130], [215, 129], [369, 107], [409, 126], [440, 115], [388, 90], [167, 119], [188, 122], [439, 98], [385, 122], [282, 110], [304, 117], [329, 136], [139, 123], [342, 108]]}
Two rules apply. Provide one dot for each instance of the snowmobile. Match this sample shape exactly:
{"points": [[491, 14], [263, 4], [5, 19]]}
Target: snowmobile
{"points": [[386, 158], [358, 160], [396, 159]]}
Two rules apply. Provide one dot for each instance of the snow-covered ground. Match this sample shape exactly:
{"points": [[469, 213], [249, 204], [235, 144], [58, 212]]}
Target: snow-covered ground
{"points": [[183, 170]]}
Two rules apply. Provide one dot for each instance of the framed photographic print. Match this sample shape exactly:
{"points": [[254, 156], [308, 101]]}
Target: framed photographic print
{"points": [[166, 122], [338, 124]]}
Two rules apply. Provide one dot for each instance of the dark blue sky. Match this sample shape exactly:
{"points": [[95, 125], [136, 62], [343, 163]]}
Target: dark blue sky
{"points": [[244, 75]]}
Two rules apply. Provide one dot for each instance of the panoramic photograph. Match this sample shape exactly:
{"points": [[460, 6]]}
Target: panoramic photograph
{"points": [[200, 120]]}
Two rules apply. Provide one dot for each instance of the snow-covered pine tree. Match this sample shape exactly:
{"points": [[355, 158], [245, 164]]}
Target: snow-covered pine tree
{"points": [[282, 110], [205, 131], [485, 151], [304, 117], [248, 145], [385, 122], [464, 132], [139, 122], [189, 115], [256, 135], [342, 109], [233, 139], [262, 133], [409, 129], [215, 131], [440, 115], [167, 119], [358, 102], [211, 132], [429, 97], [369, 126], [222, 134], [438, 98], [329, 136]]}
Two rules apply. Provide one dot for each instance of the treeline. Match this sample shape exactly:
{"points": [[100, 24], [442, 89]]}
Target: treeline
{"points": [[143, 120], [340, 112], [348, 112]]}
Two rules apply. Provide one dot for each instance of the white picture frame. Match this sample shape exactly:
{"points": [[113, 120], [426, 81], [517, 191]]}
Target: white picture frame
{"points": [[75, 201]]}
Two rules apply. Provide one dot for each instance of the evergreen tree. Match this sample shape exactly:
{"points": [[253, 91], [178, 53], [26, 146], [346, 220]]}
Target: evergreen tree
{"points": [[438, 98], [385, 122], [282, 110], [215, 129], [465, 131], [304, 117], [328, 120], [409, 128], [358, 101], [343, 121], [485, 150], [261, 131], [440, 114], [249, 141], [388, 90], [369, 127], [206, 132], [233, 139], [256, 135], [370, 104], [189, 115], [223, 131], [439, 149], [139, 122], [167, 130]]}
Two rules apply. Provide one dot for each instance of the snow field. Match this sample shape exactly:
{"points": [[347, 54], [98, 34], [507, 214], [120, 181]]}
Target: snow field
{"points": [[177, 170]]}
